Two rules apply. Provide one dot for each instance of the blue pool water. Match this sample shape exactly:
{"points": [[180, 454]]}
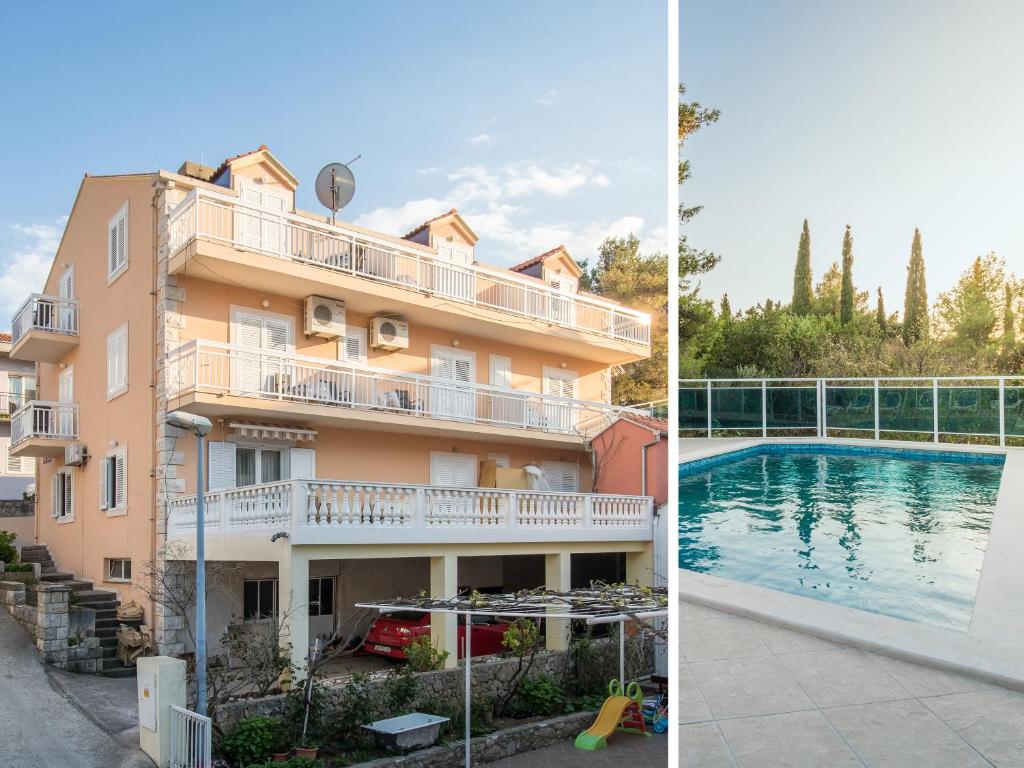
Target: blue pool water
{"points": [[902, 533]]}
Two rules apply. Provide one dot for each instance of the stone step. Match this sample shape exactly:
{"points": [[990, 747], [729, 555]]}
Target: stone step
{"points": [[107, 623], [104, 614], [35, 551], [36, 556], [109, 651], [108, 642], [79, 585], [55, 576], [94, 595], [105, 632], [117, 669]]}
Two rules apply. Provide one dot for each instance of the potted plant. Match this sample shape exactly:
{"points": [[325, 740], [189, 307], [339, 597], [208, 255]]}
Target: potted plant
{"points": [[278, 743], [306, 749]]}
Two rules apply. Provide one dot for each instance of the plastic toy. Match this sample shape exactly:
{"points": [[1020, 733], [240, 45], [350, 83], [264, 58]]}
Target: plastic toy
{"points": [[621, 712]]}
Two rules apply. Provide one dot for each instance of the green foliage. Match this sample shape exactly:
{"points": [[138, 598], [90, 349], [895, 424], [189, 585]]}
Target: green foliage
{"points": [[802, 276], [423, 655], [17, 567], [969, 311], [915, 300], [541, 695], [292, 762], [253, 740], [880, 317], [8, 552], [1009, 338], [847, 295]]}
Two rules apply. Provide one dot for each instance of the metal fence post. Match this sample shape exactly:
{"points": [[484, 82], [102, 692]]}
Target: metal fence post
{"points": [[709, 407], [824, 408], [935, 410], [1002, 411], [764, 408], [877, 428]]}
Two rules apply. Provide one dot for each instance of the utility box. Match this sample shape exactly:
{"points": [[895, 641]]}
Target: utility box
{"points": [[161, 684]]}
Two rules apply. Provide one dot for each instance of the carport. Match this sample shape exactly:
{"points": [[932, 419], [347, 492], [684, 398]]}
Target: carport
{"points": [[597, 604]]}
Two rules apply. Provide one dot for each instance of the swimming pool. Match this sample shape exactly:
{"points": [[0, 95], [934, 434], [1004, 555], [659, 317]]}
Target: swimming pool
{"points": [[897, 532]]}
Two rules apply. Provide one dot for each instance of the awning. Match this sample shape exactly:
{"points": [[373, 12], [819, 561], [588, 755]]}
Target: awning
{"points": [[271, 431]]}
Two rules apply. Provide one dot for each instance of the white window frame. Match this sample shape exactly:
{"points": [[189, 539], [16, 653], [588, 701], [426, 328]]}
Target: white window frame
{"points": [[281, 448], [575, 468], [117, 388], [66, 512], [116, 461], [289, 319], [120, 269], [448, 455], [122, 579], [492, 378]]}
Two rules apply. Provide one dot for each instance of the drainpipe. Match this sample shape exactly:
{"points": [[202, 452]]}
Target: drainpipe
{"points": [[643, 462]]}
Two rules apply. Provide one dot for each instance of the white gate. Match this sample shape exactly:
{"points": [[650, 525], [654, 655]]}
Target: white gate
{"points": [[191, 739]]}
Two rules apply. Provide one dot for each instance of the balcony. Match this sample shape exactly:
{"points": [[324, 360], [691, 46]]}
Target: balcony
{"points": [[43, 428], [343, 512], [297, 256], [217, 379], [44, 329], [11, 402]]}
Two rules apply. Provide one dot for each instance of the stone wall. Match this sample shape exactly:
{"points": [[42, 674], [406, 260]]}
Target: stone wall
{"points": [[48, 622], [490, 679], [16, 508]]}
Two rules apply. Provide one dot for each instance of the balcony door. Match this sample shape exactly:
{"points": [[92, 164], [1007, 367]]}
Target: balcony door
{"points": [[66, 290], [452, 395], [260, 368], [559, 416], [561, 303], [449, 275], [66, 394], [258, 230]]}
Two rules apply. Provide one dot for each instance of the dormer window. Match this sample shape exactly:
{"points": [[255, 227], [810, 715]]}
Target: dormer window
{"points": [[453, 252]]}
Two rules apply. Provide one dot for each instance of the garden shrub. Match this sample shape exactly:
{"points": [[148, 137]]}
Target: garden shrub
{"points": [[422, 655], [251, 743], [8, 552], [541, 695]]}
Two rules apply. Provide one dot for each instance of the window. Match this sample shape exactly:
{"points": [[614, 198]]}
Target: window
{"points": [[14, 465], [562, 476], [453, 470], [259, 599], [119, 569], [232, 465], [117, 244], [502, 460], [62, 492], [114, 481], [352, 346], [257, 465], [321, 596], [117, 362]]}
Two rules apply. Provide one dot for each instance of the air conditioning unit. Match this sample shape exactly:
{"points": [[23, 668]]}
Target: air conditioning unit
{"points": [[75, 455], [389, 334], [324, 317]]}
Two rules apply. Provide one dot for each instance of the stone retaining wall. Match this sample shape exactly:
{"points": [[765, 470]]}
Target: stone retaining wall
{"points": [[17, 508], [48, 622]]}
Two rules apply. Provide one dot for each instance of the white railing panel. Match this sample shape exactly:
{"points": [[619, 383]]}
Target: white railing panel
{"points": [[44, 419], [226, 219], [191, 739], [52, 314]]}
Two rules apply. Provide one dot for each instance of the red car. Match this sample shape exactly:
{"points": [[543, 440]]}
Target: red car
{"points": [[391, 633]]}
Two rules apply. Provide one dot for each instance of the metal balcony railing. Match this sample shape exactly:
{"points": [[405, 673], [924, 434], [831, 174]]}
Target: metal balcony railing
{"points": [[226, 219], [242, 371], [958, 406], [44, 419], [52, 314]]}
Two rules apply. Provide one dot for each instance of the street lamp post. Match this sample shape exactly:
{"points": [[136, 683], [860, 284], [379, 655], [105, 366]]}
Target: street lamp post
{"points": [[200, 427]]}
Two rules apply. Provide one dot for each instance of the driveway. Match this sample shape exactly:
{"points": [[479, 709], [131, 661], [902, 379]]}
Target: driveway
{"points": [[54, 719]]}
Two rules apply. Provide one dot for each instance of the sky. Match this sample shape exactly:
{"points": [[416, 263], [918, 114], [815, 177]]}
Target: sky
{"points": [[882, 115], [543, 123]]}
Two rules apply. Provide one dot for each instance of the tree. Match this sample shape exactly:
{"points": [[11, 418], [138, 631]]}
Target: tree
{"points": [[915, 301], [848, 295], [968, 312], [880, 318], [725, 312], [828, 293], [802, 277], [1009, 321], [624, 274]]}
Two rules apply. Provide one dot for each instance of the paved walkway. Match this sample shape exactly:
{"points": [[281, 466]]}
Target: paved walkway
{"points": [[625, 750], [52, 719], [752, 695]]}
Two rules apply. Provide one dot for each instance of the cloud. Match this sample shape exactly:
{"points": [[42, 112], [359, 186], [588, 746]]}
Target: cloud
{"points": [[507, 207], [548, 98], [428, 171], [26, 263], [481, 140]]}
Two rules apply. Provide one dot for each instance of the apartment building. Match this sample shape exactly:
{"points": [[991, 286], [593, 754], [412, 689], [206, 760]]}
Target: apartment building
{"points": [[17, 386], [367, 392]]}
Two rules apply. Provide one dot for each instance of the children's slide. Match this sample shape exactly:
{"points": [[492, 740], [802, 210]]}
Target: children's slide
{"points": [[608, 719]]}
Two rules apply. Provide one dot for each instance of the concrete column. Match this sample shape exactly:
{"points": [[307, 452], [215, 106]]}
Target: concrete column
{"points": [[640, 566], [557, 577], [293, 599], [444, 627]]}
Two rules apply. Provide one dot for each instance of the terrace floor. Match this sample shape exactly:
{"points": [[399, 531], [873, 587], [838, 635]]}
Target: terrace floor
{"points": [[753, 695], [624, 749]]}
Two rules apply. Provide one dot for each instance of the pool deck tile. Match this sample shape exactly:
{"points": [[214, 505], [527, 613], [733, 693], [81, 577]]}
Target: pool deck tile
{"points": [[991, 721], [842, 677], [701, 745], [748, 687], [792, 740], [713, 639]]}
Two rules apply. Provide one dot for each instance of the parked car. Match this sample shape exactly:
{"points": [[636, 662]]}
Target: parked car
{"points": [[391, 633]]}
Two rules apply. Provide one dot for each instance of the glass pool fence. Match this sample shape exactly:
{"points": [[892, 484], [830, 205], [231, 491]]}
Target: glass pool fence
{"points": [[941, 408]]}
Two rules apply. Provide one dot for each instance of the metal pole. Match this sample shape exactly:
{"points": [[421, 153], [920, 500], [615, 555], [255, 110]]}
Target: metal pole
{"points": [[764, 408], [469, 685], [622, 654], [200, 583], [1002, 411], [877, 426], [709, 407], [935, 410], [824, 408]]}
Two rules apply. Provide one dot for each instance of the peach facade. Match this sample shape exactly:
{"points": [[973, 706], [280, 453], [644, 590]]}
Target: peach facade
{"points": [[500, 365]]}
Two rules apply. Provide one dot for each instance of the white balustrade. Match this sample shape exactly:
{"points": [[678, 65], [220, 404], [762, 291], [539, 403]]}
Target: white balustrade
{"points": [[235, 370], [222, 218], [337, 504], [53, 314], [44, 419]]}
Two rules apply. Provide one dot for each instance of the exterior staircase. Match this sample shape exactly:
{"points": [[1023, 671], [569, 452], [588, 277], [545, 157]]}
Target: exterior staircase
{"points": [[103, 601]]}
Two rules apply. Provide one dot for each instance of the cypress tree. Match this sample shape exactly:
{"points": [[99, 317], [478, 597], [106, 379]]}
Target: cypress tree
{"points": [[880, 312], [915, 301], [1009, 321], [802, 279], [726, 310], [846, 297]]}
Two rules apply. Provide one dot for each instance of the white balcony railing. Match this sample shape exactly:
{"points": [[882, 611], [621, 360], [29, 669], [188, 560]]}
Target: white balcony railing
{"points": [[44, 419], [229, 369], [10, 402], [225, 219], [45, 313], [339, 504]]}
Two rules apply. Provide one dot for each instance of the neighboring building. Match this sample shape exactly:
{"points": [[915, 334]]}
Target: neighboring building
{"points": [[17, 386], [632, 457], [356, 380]]}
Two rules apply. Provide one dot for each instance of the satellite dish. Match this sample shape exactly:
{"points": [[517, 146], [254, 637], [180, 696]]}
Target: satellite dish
{"points": [[335, 186]]}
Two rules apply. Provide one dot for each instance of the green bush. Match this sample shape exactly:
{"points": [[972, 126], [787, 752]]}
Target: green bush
{"points": [[253, 740], [17, 567], [422, 655], [292, 762], [8, 552], [541, 695]]}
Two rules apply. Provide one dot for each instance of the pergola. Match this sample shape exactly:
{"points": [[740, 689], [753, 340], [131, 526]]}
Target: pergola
{"points": [[597, 604]]}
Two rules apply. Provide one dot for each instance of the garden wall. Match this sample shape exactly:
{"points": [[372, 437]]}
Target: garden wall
{"points": [[18, 517]]}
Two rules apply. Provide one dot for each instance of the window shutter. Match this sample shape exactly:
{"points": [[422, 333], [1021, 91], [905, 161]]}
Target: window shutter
{"points": [[463, 370], [120, 480], [117, 360], [501, 460], [465, 471], [69, 490], [562, 477], [117, 245], [250, 330], [276, 335], [104, 482], [122, 358], [354, 350], [302, 464], [56, 490], [453, 470], [221, 466], [501, 371]]}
